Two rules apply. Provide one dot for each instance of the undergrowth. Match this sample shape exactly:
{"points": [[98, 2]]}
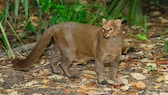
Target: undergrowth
{"points": [[34, 16]]}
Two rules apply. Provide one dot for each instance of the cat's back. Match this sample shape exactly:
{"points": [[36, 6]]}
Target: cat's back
{"points": [[79, 26], [76, 29]]}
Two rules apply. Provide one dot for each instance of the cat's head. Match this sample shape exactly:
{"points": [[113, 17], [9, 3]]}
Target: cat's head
{"points": [[110, 28]]}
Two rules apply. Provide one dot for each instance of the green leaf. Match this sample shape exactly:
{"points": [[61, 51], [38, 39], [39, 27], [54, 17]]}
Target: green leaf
{"points": [[30, 27], [26, 7], [140, 36], [16, 9], [150, 68], [6, 42]]}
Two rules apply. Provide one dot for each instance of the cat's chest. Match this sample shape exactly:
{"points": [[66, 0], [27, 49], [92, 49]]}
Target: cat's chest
{"points": [[111, 47]]}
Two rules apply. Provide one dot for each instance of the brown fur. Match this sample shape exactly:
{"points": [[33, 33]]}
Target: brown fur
{"points": [[75, 42]]}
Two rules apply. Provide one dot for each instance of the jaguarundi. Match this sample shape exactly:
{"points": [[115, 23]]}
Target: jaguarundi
{"points": [[75, 42]]}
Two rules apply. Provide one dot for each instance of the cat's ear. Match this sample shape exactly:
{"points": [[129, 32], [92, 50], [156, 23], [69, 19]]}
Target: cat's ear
{"points": [[118, 22], [104, 21]]}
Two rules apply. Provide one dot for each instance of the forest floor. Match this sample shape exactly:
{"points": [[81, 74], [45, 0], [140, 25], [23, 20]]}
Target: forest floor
{"points": [[143, 69]]}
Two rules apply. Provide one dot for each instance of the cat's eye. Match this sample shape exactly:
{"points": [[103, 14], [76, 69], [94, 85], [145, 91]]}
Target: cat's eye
{"points": [[110, 29], [107, 29], [103, 29]]}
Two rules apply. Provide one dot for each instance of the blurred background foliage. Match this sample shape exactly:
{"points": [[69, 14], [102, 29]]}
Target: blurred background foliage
{"points": [[22, 18]]}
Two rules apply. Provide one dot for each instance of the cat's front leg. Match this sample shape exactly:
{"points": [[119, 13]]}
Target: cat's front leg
{"points": [[114, 69], [99, 66]]}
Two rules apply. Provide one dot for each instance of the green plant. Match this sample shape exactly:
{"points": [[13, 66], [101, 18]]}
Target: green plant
{"points": [[118, 9], [150, 68], [135, 16], [65, 12], [166, 46], [143, 35], [6, 43], [164, 32], [140, 36], [9, 22]]}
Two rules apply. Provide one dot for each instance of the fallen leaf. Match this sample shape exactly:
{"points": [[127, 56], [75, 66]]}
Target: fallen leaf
{"points": [[37, 94], [67, 91], [110, 81], [157, 86], [131, 93], [166, 79], [162, 62], [116, 85], [160, 79], [28, 84], [86, 89], [163, 93], [59, 77], [138, 76], [123, 81], [144, 46], [14, 93], [133, 83], [123, 66], [89, 72], [155, 13], [45, 81], [90, 84], [163, 20], [125, 87], [89, 76], [140, 85]]}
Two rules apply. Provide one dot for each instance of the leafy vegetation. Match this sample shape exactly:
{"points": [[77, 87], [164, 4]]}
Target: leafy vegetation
{"points": [[7, 46], [18, 14]]}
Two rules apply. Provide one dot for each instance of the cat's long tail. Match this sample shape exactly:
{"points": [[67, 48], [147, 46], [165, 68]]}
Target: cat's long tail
{"points": [[36, 52]]}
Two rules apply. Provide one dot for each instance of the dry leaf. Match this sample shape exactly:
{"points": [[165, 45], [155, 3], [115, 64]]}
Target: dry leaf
{"points": [[67, 91], [140, 85], [147, 47], [89, 72], [110, 81], [14, 93], [90, 84], [87, 89], [89, 76], [157, 86], [34, 20], [163, 93], [160, 79], [45, 81], [125, 87], [166, 79], [131, 93], [123, 81], [33, 82], [133, 83], [162, 62], [116, 86], [123, 66], [138, 76]]}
